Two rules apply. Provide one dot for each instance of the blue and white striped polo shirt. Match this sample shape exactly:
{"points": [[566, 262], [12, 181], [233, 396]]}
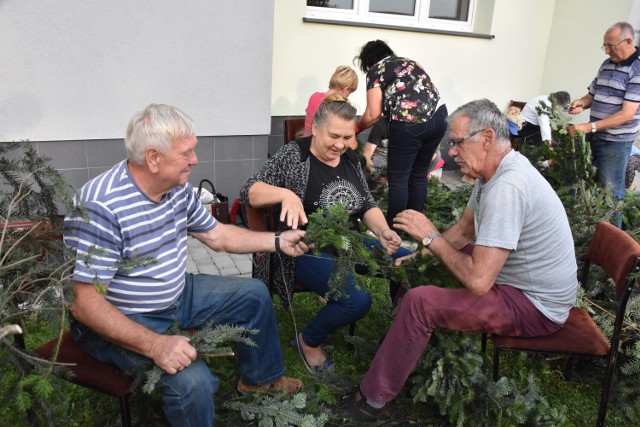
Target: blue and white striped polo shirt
{"points": [[123, 224], [614, 84]]}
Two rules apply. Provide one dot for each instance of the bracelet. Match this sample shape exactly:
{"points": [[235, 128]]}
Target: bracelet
{"points": [[277, 239], [593, 127]]}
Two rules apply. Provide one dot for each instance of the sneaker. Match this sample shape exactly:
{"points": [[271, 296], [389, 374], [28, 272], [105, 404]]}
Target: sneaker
{"points": [[286, 384], [355, 407]]}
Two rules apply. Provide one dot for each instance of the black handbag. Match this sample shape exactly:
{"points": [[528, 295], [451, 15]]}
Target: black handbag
{"points": [[219, 207]]}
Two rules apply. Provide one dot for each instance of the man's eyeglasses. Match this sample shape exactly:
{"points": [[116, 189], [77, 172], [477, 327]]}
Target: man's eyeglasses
{"points": [[453, 143], [611, 46]]}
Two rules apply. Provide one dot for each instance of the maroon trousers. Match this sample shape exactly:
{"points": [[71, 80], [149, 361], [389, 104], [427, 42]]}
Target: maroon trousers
{"points": [[504, 310]]}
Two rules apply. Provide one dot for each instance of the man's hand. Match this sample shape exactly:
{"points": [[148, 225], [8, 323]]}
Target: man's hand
{"points": [[415, 224], [172, 353], [576, 107], [291, 243]]}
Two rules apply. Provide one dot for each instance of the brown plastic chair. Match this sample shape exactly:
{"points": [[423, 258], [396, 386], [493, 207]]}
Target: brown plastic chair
{"points": [[86, 371], [518, 104], [91, 373], [293, 128], [619, 255], [266, 219]]}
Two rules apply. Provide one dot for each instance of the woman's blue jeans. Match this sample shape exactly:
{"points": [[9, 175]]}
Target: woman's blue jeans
{"points": [[411, 147], [188, 395], [313, 272]]}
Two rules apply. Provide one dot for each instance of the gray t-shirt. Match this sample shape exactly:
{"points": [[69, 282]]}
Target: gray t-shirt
{"points": [[519, 211]]}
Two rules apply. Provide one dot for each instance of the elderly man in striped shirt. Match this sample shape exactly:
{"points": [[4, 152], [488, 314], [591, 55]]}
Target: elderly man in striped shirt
{"points": [[143, 208], [614, 97]]}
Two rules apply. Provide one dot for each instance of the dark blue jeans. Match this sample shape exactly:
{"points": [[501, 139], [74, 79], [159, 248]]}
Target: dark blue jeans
{"points": [[313, 273], [411, 147], [188, 395]]}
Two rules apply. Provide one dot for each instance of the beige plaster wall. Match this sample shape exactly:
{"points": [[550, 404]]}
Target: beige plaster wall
{"points": [[574, 55], [510, 66]]}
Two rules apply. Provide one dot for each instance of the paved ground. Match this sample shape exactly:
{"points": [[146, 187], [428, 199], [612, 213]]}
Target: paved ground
{"points": [[201, 259]]}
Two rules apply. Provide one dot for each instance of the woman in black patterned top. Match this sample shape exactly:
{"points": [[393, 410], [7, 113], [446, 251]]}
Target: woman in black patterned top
{"points": [[400, 91], [303, 176]]}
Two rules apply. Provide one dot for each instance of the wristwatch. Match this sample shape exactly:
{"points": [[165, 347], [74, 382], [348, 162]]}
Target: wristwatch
{"points": [[429, 239], [593, 127]]}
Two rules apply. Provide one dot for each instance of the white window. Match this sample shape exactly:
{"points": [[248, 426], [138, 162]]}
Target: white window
{"points": [[449, 15]]}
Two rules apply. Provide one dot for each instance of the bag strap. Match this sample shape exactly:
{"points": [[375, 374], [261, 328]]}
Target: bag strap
{"points": [[206, 181]]}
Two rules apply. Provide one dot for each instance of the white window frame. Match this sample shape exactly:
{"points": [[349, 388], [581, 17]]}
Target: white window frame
{"points": [[360, 14]]}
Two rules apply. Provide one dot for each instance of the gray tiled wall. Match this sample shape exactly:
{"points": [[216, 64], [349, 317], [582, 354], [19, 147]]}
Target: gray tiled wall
{"points": [[227, 161]]}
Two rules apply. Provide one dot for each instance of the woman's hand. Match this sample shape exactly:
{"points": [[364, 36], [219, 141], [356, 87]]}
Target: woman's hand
{"points": [[390, 241], [292, 211]]}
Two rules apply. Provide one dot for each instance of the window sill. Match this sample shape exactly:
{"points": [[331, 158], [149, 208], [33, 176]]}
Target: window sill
{"points": [[398, 27]]}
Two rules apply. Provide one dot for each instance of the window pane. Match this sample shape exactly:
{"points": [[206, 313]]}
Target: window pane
{"points": [[449, 9], [335, 4], [394, 7]]}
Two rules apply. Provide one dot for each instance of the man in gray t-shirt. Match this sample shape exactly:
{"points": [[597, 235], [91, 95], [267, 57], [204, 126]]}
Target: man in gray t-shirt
{"points": [[518, 277]]}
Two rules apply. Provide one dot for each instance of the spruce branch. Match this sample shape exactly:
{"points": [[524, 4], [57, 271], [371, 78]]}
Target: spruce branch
{"points": [[207, 342]]}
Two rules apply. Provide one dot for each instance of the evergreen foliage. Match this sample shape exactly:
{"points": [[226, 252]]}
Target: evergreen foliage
{"points": [[330, 231], [276, 410], [208, 343]]}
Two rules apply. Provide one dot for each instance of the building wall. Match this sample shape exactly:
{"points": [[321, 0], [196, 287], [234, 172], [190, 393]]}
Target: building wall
{"points": [[509, 66], [75, 71], [573, 53]]}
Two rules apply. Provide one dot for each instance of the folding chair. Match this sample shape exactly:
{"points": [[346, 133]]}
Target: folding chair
{"points": [[619, 255]]}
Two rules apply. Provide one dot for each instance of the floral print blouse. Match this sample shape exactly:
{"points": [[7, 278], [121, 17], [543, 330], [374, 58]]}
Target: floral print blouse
{"points": [[408, 94]]}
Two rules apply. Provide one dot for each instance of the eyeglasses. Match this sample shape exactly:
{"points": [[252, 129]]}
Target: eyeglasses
{"points": [[453, 143], [611, 46]]}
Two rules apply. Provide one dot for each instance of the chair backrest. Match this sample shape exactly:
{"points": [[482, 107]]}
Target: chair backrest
{"points": [[616, 252], [293, 128], [262, 219], [518, 104]]}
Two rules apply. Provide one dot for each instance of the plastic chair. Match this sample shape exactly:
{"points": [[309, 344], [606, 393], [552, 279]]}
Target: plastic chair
{"points": [[293, 128], [91, 373], [87, 371], [619, 255]]}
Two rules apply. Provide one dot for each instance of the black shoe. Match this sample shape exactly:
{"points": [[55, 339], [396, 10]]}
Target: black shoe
{"points": [[355, 407]]}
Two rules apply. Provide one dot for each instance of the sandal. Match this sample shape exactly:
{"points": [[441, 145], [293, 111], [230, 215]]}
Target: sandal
{"points": [[286, 384], [326, 366]]}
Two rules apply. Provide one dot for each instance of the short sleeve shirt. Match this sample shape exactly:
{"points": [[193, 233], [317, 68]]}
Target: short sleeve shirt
{"points": [[118, 224], [409, 95]]}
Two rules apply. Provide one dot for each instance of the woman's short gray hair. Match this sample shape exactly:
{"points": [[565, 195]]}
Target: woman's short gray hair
{"points": [[157, 126], [484, 114]]}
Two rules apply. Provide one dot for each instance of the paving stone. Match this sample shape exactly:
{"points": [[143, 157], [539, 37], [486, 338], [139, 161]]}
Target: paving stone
{"points": [[230, 271], [209, 269]]}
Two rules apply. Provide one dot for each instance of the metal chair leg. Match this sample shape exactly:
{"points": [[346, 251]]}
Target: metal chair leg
{"points": [[496, 363], [568, 373], [125, 411], [352, 332]]}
